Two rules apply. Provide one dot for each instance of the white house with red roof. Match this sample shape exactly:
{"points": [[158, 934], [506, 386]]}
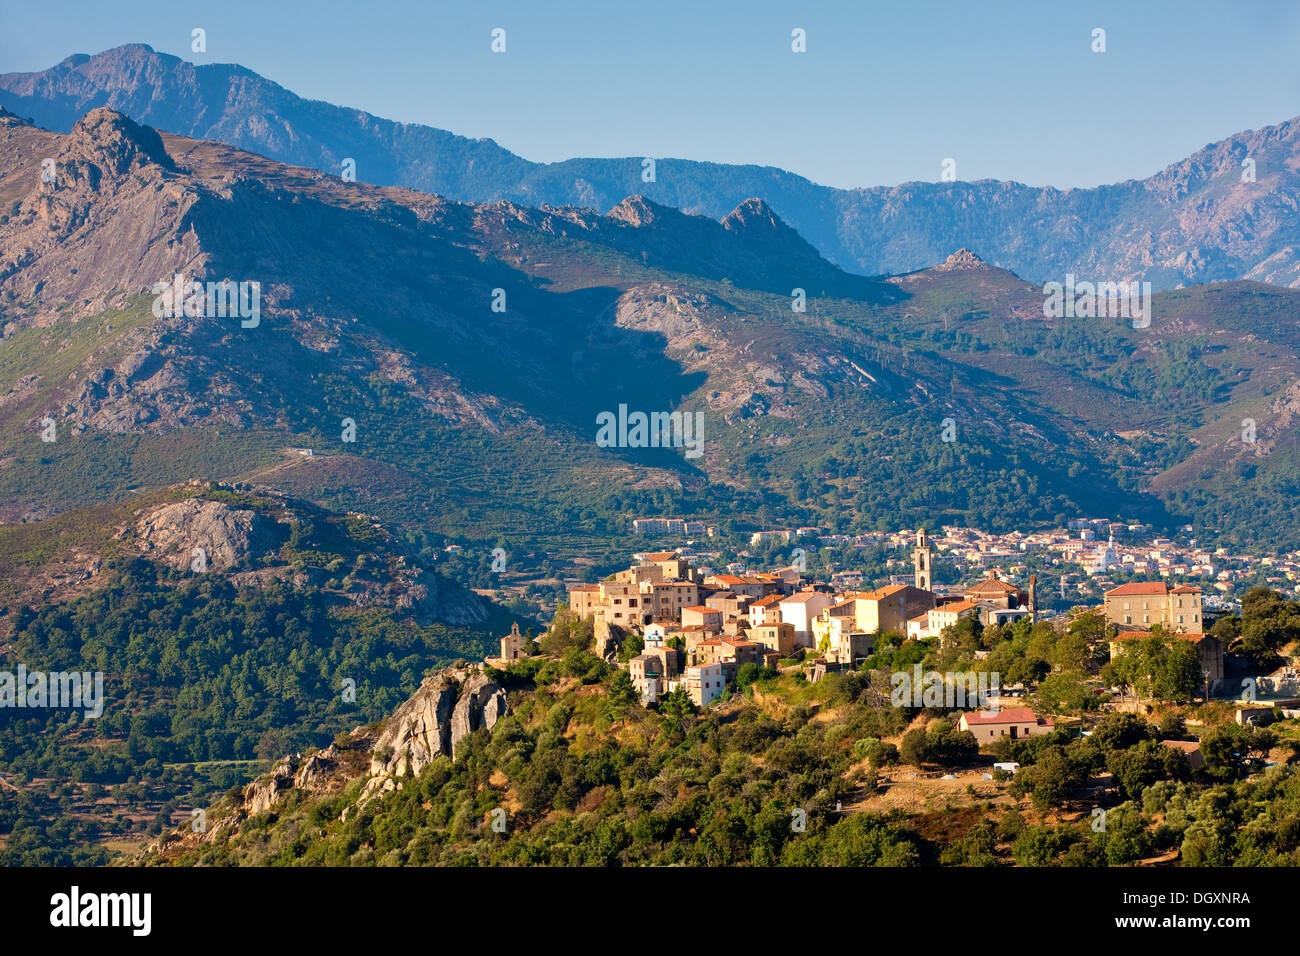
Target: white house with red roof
{"points": [[1014, 722]]}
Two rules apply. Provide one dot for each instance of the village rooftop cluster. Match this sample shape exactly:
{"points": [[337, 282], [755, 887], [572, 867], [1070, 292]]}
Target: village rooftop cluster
{"points": [[698, 629]]}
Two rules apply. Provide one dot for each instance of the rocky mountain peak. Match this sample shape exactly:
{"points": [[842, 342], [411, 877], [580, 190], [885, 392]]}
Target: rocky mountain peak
{"points": [[637, 211], [754, 213], [115, 143], [962, 259]]}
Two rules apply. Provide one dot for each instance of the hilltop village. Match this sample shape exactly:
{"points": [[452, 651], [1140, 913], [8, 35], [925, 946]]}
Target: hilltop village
{"points": [[693, 631]]}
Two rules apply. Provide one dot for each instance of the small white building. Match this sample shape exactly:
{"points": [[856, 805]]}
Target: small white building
{"points": [[655, 635], [801, 610], [704, 683]]}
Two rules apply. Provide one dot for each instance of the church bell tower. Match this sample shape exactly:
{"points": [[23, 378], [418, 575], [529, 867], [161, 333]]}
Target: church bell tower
{"points": [[921, 561]]}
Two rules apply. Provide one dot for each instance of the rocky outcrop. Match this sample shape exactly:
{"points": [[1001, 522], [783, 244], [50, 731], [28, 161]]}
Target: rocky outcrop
{"points": [[266, 791], [482, 702], [229, 537], [606, 638], [105, 198], [310, 773], [320, 773], [418, 731], [448, 707], [961, 260], [317, 769]]}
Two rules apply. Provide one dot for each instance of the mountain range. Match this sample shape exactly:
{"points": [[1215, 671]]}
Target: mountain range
{"points": [[1229, 211], [472, 347]]}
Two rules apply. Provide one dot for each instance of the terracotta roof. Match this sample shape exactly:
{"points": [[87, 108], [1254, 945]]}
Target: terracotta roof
{"points": [[880, 593], [1139, 587], [959, 606], [991, 585], [661, 556], [803, 597], [767, 601], [703, 608], [1186, 746], [732, 579], [1012, 715]]}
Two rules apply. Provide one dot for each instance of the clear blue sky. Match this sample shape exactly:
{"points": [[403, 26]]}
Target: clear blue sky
{"points": [[883, 94]]}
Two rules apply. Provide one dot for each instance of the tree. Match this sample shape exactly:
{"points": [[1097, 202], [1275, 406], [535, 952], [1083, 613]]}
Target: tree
{"points": [[865, 839], [1050, 780], [677, 705], [1268, 623], [1172, 725], [1065, 692], [1139, 766], [1125, 839], [881, 754], [1091, 626], [633, 644], [1011, 825], [1039, 846], [1071, 652], [1232, 751], [1162, 666], [1120, 731], [622, 693], [914, 749], [1182, 678], [567, 631]]}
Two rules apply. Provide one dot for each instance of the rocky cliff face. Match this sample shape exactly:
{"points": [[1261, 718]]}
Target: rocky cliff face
{"points": [[448, 707], [432, 597]]}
